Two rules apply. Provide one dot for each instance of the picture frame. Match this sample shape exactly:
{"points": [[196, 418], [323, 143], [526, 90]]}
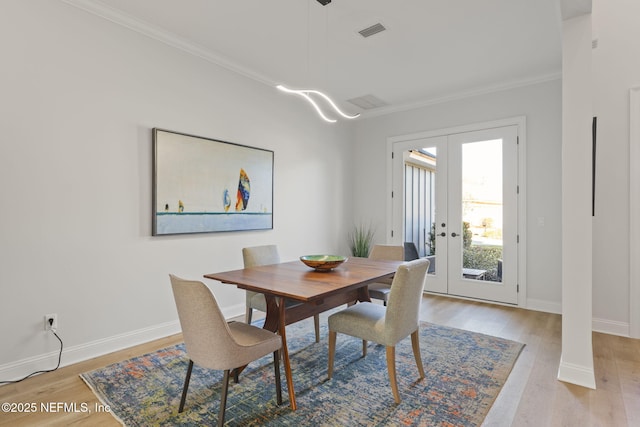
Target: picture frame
{"points": [[205, 185]]}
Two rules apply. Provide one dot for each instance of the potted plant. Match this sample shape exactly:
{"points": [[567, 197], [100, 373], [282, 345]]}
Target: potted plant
{"points": [[360, 240]]}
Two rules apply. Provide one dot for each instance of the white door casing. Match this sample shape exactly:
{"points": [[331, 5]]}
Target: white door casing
{"points": [[516, 255]]}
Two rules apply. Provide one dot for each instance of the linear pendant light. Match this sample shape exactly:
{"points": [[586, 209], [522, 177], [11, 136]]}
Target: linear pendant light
{"points": [[305, 94]]}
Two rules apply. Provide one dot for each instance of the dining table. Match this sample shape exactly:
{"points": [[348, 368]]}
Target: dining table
{"points": [[294, 291]]}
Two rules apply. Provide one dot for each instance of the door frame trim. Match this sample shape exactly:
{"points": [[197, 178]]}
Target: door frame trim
{"points": [[521, 123]]}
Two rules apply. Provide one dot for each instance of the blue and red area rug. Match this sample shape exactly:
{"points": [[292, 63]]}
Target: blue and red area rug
{"points": [[464, 374]]}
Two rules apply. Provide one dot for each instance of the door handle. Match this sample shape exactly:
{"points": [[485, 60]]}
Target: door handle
{"points": [[453, 234], [443, 234]]}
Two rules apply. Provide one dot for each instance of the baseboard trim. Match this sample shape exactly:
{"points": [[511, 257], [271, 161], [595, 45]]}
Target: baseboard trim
{"points": [[238, 310], [101, 347], [79, 353], [577, 374], [605, 326], [611, 327], [545, 306], [82, 352]]}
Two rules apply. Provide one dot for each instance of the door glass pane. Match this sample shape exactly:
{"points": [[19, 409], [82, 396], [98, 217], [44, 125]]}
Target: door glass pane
{"points": [[419, 210], [482, 210]]}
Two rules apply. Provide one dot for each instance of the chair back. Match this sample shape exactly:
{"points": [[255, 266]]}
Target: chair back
{"points": [[403, 306], [410, 251], [206, 334], [387, 252], [260, 255], [254, 257]]}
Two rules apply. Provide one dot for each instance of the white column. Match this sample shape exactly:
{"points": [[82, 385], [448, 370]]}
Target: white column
{"points": [[576, 364]]}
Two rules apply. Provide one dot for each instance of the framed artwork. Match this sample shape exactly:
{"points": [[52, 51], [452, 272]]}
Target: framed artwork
{"points": [[203, 185]]}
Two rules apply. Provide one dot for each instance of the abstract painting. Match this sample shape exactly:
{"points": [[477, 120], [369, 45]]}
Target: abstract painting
{"points": [[203, 185]]}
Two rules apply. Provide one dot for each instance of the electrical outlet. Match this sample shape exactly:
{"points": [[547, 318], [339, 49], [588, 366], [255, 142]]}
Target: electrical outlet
{"points": [[50, 325]]}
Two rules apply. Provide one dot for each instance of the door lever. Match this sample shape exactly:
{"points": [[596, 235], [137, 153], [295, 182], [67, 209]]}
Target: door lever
{"points": [[453, 234]]}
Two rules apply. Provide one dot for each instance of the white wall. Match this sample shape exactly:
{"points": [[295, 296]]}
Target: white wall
{"points": [[79, 97], [616, 69], [541, 104]]}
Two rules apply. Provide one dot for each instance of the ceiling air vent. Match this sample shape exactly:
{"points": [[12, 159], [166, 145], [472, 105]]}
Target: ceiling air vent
{"points": [[374, 29], [367, 102]]}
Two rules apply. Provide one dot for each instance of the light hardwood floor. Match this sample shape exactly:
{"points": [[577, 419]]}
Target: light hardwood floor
{"points": [[532, 396]]}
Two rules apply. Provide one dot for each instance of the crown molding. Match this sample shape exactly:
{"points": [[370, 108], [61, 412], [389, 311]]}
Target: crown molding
{"points": [[383, 111], [162, 35]]}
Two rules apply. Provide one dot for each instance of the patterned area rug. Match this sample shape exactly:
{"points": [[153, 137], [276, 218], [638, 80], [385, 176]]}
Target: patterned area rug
{"points": [[464, 374]]}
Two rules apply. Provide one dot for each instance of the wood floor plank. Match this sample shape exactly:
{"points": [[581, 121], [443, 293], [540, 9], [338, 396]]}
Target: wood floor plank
{"points": [[607, 408], [532, 395]]}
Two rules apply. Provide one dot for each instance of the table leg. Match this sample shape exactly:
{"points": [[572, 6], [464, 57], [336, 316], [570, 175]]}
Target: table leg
{"points": [[285, 353], [363, 294], [272, 322]]}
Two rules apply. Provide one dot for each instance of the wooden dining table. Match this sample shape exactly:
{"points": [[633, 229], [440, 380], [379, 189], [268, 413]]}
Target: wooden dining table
{"points": [[316, 291]]}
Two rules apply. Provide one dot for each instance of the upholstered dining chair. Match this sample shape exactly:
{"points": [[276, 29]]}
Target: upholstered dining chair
{"points": [[213, 343], [380, 290], [386, 325], [410, 251], [265, 255]]}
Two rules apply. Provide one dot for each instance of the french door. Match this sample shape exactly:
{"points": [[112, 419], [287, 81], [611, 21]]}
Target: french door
{"points": [[459, 205]]}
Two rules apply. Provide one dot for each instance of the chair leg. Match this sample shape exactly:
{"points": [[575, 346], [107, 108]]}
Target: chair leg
{"points": [[223, 397], [276, 367], [364, 348], [415, 343], [332, 351], [186, 386], [391, 367], [248, 315], [316, 324]]}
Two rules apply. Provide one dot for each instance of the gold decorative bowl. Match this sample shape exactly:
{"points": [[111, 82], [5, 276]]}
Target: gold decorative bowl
{"points": [[323, 262]]}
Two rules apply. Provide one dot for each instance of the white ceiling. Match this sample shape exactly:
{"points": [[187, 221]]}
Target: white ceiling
{"points": [[432, 49]]}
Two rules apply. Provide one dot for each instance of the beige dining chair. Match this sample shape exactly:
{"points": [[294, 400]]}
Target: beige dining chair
{"points": [[386, 325], [213, 343], [380, 290], [265, 255]]}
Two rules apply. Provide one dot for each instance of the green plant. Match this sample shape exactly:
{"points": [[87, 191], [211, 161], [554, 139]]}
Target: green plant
{"points": [[360, 240], [483, 258], [466, 235], [432, 239]]}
